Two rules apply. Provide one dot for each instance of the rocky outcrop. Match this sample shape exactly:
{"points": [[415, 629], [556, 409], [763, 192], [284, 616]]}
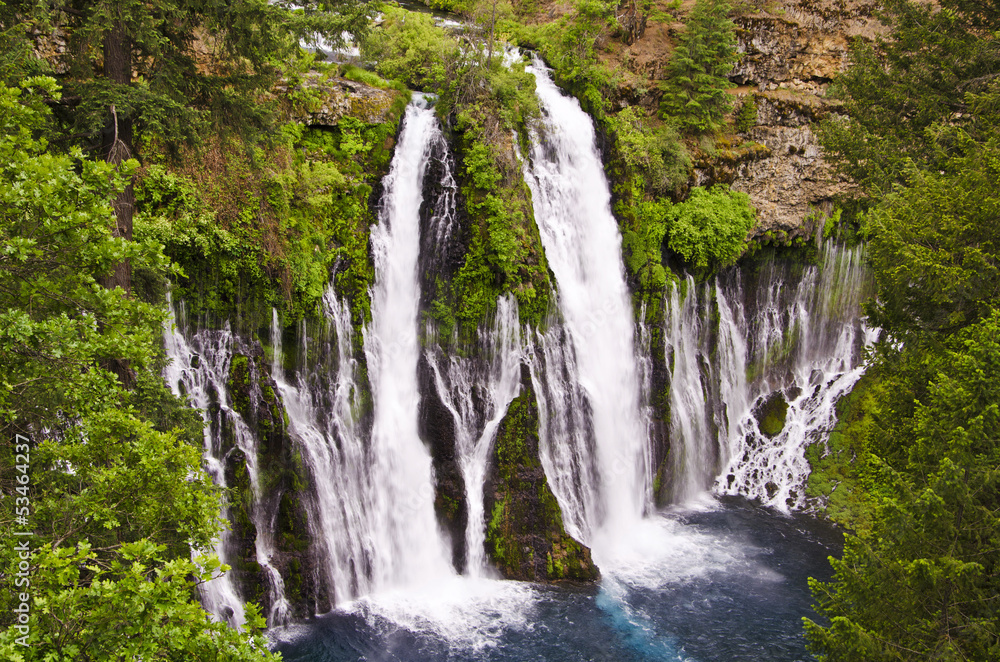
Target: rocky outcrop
{"points": [[525, 537], [319, 99], [790, 52], [800, 44], [789, 183]]}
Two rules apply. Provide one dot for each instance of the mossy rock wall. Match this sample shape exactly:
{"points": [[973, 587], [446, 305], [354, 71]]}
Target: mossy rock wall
{"points": [[253, 394], [525, 536]]}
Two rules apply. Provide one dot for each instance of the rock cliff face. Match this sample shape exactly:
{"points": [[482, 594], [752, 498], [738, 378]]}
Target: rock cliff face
{"points": [[791, 51], [326, 99], [525, 538]]}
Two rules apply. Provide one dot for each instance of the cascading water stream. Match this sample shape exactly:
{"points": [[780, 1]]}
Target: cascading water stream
{"points": [[410, 546], [692, 453], [799, 345], [808, 347], [373, 521], [198, 369], [322, 408], [583, 246], [477, 391]]}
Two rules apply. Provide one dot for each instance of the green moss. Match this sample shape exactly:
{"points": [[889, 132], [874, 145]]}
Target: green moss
{"points": [[836, 484], [771, 414], [239, 385], [254, 229]]}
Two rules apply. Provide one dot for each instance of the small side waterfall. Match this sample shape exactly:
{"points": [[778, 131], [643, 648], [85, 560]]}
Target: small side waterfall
{"points": [[688, 354], [477, 391], [198, 369], [808, 347], [789, 345], [583, 246], [323, 409]]}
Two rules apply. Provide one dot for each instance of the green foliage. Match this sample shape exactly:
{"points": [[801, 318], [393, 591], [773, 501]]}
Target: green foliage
{"points": [[935, 245], [921, 141], [570, 46], [117, 493], [656, 154], [931, 549], [642, 247], [359, 75], [175, 92], [694, 91], [842, 473], [137, 606], [911, 96], [252, 235], [772, 414], [711, 228], [491, 103], [504, 253], [746, 115], [410, 48]]}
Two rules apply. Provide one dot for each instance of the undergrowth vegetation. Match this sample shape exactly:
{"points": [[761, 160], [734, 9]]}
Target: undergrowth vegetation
{"points": [[253, 229]]}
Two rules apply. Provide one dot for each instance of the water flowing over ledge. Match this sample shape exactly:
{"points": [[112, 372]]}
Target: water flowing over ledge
{"points": [[599, 466], [757, 334]]}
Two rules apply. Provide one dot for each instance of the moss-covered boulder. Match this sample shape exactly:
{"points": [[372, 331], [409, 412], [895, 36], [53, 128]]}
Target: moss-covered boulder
{"points": [[525, 537], [771, 414]]}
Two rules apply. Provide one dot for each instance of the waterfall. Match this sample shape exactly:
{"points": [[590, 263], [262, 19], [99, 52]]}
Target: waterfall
{"points": [[687, 346], [198, 368], [323, 416], [476, 391], [583, 246], [801, 341], [410, 547]]}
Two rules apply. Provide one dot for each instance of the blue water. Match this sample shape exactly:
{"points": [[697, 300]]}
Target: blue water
{"points": [[725, 582]]}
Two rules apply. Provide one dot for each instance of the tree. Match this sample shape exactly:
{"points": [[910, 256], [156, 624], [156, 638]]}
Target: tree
{"points": [[935, 246], [694, 91], [135, 69], [711, 228], [921, 140], [921, 582], [115, 490], [913, 99]]}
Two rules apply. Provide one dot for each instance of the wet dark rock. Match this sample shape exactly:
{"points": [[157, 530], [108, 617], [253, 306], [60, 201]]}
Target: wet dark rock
{"points": [[437, 427], [525, 536]]}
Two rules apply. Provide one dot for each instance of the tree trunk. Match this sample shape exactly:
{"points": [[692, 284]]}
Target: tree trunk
{"points": [[116, 144], [116, 147]]}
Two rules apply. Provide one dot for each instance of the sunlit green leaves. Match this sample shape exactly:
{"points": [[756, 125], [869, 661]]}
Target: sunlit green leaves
{"points": [[712, 227]]}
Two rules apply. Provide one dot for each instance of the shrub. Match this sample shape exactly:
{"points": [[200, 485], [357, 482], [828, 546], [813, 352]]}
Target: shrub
{"points": [[711, 228]]}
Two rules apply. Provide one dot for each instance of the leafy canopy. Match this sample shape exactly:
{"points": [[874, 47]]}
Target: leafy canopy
{"points": [[711, 228], [117, 493]]}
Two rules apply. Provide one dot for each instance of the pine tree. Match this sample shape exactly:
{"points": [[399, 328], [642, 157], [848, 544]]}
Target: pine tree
{"points": [[694, 91], [921, 579], [133, 69]]}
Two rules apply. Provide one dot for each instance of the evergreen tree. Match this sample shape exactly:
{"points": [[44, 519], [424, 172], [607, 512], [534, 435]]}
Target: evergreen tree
{"points": [[694, 91], [919, 97], [133, 69], [920, 580]]}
